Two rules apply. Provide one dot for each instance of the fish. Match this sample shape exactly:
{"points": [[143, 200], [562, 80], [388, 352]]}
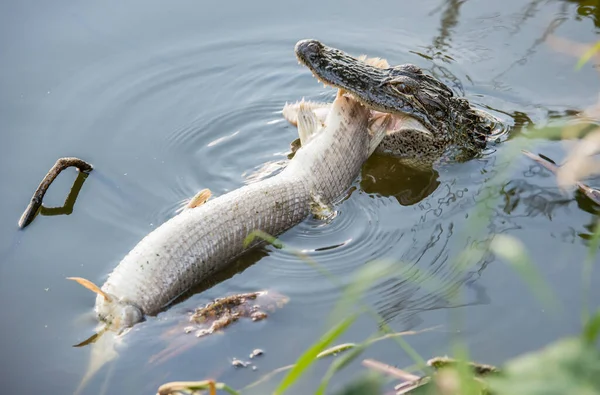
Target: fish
{"points": [[208, 236]]}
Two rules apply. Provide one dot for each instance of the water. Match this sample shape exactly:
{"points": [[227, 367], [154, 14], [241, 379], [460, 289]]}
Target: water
{"points": [[168, 98]]}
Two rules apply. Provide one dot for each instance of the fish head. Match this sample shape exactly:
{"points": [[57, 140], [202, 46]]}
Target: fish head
{"points": [[117, 313]]}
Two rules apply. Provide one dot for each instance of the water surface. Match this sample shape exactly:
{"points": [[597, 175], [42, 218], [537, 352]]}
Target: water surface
{"points": [[168, 98]]}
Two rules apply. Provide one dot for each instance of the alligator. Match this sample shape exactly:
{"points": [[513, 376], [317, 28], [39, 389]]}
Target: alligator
{"points": [[209, 234], [429, 121], [373, 100]]}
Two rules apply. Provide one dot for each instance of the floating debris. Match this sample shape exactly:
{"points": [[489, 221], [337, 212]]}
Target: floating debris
{"points": [[223, 312], [238, 363], [256, 352], [258, 315], [202, 332], [445, 376], [217, 315], [479, 369]]}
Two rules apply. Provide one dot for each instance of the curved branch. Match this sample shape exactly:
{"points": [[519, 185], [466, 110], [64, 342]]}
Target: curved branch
{"points": [[38, 196]]}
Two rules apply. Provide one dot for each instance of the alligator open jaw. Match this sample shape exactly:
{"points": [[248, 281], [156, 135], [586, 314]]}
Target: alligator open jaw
{"points": [[402, 89]]}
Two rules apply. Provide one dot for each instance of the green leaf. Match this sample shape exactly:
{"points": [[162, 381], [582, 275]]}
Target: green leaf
{"points": [[310, 355], [569, 366], [588, 266], [339, 364], [592, 328]]}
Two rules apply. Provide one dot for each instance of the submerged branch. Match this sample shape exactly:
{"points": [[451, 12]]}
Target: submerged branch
{"points": [[592, 193], [35, 205]]}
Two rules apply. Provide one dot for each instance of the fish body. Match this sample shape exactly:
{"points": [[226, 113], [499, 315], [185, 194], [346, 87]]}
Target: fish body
{"points": [[203, 240]]}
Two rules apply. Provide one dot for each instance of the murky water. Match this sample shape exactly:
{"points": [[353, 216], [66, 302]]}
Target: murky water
{"points": [[168, 98]]}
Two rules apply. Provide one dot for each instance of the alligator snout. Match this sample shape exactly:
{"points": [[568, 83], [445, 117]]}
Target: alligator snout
{"points": [[308, 50]]}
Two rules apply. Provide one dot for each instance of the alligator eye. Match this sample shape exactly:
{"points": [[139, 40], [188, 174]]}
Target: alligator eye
{"points": [[313, 47], [405, 84]]}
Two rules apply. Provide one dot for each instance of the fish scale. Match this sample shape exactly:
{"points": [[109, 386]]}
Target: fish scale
{"points": [[201, 241]]}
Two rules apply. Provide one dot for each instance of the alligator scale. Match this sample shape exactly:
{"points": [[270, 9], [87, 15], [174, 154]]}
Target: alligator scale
{"points": [[429, 121]]}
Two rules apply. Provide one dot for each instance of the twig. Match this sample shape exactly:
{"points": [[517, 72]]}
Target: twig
{"points": [[592, 193], [38, 196], [541, 161], [390, 370]]}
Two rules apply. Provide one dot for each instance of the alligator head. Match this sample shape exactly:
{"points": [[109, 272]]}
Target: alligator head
{"points": [[401, 90]]}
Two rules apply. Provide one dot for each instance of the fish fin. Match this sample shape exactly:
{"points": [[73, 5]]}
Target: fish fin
{"points": [[320, 209], [379, 127], [198, 200], [375, 62], [89, 340], [102, 352], [91, 286], [308, 124], [266, 170], [290, 110]]}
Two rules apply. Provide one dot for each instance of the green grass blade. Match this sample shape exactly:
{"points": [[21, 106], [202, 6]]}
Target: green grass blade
{"points": [[587, 55], [592, 328], [259, 234], [339, 364], [310, 355], [588, 265]]}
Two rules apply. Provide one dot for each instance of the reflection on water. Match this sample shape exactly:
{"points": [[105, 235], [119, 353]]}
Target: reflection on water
{"points": [[389, 176], [69, 204], [428, 276], [238, 266], [588, 9], [437, 51], [527, 199]]}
